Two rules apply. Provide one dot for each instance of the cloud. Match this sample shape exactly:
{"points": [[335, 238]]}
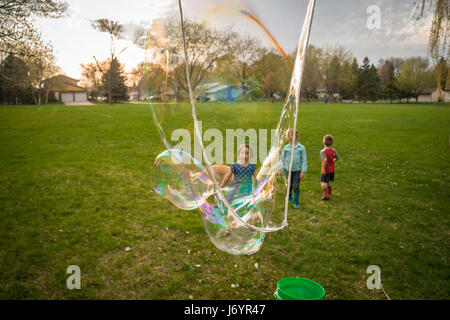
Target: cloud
{"points": [[342, 22], [72, 17], [345, 23]]}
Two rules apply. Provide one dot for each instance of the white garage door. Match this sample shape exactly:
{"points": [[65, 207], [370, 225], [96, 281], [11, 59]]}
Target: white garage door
{"points": [[80, 97], [67, 97]]}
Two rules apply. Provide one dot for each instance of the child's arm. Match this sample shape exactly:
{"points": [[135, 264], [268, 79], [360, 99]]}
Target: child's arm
{"points": [[281, 163], [336, 156], [304, 164], [227, 177], [324, 161], [324, 165]]}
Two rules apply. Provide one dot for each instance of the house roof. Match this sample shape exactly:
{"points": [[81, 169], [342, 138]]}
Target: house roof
{"points": [[68, 88], [210, 85], [64, 83], [429, 91], [215, 89]]}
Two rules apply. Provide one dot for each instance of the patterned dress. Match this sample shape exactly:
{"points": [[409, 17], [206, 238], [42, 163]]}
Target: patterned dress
{"points": [[243, 180]]}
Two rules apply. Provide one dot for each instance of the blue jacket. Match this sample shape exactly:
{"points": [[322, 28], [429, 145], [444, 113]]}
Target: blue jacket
{"points": [[299, 162]]}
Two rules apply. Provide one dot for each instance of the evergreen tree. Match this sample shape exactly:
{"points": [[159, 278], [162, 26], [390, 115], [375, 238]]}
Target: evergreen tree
{"points": [[368, 81], [374, 91], [388, 79], [15, 82], [115, 74]]}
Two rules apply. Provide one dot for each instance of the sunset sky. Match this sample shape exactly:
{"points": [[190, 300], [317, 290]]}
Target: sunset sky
{"points": [[342, 23]]}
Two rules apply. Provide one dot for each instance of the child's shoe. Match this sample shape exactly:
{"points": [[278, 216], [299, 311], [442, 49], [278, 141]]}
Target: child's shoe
{"points": [[296, 198]]}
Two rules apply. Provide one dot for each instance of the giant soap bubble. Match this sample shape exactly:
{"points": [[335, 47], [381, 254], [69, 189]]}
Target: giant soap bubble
{"points": [[182, 179], [220, 153]]}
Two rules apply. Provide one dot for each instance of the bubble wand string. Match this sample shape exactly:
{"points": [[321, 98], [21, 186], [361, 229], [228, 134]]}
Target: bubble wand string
{"points": [[296, 83]]}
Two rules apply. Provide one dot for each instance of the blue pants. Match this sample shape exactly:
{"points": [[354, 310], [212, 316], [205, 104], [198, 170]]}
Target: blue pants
{"points": [[295, 182]]}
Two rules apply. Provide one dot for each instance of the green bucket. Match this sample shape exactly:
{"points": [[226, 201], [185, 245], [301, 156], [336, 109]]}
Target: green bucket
{"points": [[297, 288]]}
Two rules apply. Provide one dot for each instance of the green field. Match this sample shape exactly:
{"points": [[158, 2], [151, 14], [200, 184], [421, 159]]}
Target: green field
{"points": [[75, 190]]}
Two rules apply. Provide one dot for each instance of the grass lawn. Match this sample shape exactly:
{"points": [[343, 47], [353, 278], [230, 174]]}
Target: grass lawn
{"points": [[75, 189]]}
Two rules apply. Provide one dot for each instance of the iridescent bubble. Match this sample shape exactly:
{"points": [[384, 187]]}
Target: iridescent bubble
{"points": [[221, 43], [182, 180]]}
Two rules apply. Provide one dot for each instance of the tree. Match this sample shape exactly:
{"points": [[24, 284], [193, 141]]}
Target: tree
{"points": [[115, 30], [439, 34], [390, 84], [415, 77], [440, 26], [136, 80], [368, 82], [17, 33], [312, 76], [348, 79], [113, 80], [332, 75], [333, 60], [204, 46], [388, 72], [15, 81], [441, 69], [91, 77], [149, 78], [447, 81], [155, 81], [273, 73], [41, 67], [242, 53]]}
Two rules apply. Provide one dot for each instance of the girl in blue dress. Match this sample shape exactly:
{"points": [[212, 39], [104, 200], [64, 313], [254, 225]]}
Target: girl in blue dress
{"points": [[243, 172]]}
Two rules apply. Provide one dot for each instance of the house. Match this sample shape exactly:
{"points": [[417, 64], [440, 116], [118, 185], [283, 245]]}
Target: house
{"points": [[135, 95], [426, 96], [220, 92], [65, 89], [321, 93], [169, 95], [138, 95], [445, 94]]}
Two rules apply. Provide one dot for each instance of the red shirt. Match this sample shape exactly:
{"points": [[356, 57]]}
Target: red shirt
{"points": [[329, 154]]}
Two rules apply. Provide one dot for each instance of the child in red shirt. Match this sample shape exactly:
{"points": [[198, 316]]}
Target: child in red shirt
{"points": [[329, 156]]}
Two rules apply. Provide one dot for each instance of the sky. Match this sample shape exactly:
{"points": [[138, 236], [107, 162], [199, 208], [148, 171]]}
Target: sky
{"points": [[352, 24]]}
